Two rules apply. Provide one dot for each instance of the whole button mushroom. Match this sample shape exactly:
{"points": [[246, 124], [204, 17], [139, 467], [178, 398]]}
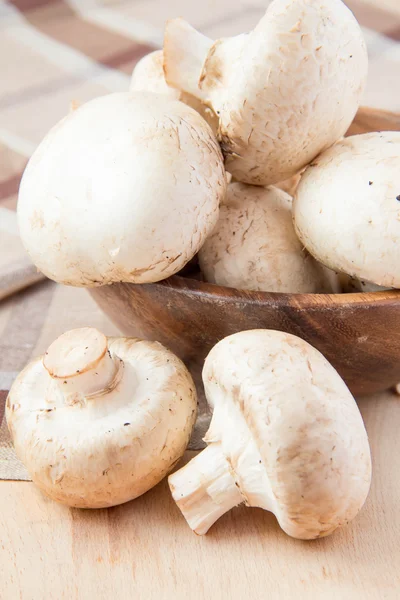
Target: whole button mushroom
{"points": [[99, 422], [347, 208], [286, 436], [125, 188], [283, 93], [148, 76], [254, 246]]}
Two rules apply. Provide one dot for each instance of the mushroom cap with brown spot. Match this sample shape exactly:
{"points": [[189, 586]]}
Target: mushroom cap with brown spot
{"points": [[347, 208], [283, 92], [125, 188], [291, 430], [103, 449]]}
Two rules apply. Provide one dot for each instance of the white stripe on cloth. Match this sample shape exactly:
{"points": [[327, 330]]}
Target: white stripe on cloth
{"points": [[17, 143], [61, 55], [71, 63], [8, 221], [7, 378], [111, 19]]}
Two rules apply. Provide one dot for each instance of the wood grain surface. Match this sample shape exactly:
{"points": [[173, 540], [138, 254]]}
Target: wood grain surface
{"points": [[358, 333], [145, 550], [373, 119]]}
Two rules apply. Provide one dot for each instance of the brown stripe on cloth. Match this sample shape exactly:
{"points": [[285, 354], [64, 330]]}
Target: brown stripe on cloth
{"points": [[12, 166], [394, 34], [3, 398], [57, 19], [10, 202], [375, 18], [25, 325], [19, 337], [9, 187]]}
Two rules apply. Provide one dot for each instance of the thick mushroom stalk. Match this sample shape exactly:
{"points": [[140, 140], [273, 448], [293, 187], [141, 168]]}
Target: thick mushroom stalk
{"points": [[283, 92], [185, 54], [81, 365], [99, 421], [148, 76], [205, 489], [286, 436]]}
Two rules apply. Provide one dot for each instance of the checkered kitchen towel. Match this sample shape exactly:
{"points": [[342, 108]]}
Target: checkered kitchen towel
{"points": [[53, 52]]}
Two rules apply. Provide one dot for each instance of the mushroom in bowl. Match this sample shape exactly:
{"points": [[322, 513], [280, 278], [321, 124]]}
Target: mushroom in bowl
{"points": [[286, 436], [148, 76], [125, 188], [347, 208], [283, 93], [98, 421], [254, 246]]}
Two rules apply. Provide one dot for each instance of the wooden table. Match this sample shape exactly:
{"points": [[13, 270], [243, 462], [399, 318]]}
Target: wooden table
{"points": [[145, 550]]}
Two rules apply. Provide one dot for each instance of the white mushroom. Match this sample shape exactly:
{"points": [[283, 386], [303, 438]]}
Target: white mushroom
{"points": [[99, 422], [283, 93], [254, 246], [125, 188], [286, 436], [347, 208], [148, 76]]}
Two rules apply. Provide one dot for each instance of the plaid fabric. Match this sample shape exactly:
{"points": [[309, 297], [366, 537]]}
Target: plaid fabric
{"points": [[53, 52]]}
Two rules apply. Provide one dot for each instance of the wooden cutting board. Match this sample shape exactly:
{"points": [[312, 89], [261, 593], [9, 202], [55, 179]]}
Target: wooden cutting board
{"points": [[145, 550]]}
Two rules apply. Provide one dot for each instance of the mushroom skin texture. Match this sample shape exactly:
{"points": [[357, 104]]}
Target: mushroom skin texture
{"points": [[347, 208], [283, 92], [98, 421], [286, 436], [148, 76], [254, 246], [125, 188]]}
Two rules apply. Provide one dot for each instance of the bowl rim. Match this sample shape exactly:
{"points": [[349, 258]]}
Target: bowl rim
{"points": [[194, 287]]}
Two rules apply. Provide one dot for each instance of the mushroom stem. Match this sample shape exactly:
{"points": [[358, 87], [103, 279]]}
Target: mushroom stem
{"points": [[185, 52], [80, 364], [205, 489]]}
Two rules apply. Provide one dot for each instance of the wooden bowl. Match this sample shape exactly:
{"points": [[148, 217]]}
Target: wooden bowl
{"points": [[358, 333]]}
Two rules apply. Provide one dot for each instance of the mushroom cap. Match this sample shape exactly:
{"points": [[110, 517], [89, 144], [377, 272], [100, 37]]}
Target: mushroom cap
{"points": [[125, 188], [347, 208], [287, 90], [98, 450], [290, 430], [254, 245], [148, 76]]}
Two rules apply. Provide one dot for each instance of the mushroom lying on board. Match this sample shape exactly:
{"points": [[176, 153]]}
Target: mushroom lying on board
{"points": [[148, 76], [125, 188], [254, 246], [286, 435], [99, 422], [347, 208], [283, 93]]}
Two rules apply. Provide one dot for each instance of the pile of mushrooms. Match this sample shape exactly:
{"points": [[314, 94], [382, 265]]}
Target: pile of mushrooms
{"points": [[197, 158]]}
